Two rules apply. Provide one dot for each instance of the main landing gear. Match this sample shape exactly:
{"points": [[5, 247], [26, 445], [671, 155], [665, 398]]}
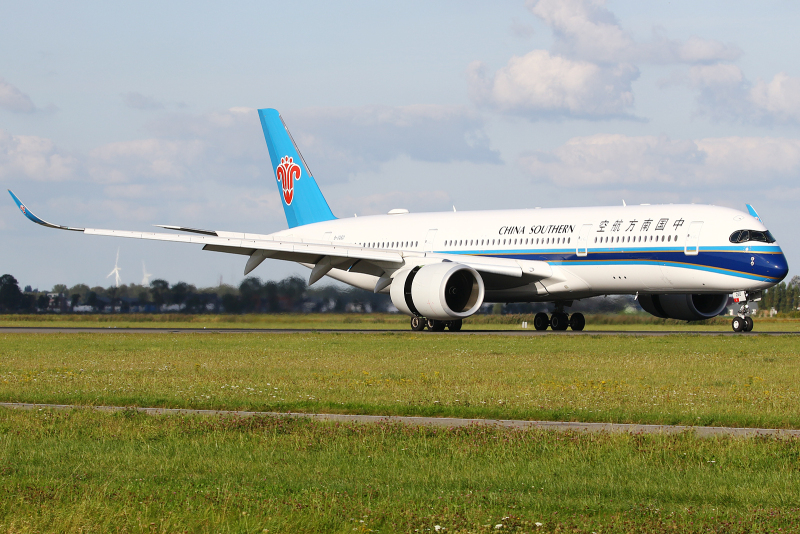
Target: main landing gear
{"points": [[559, 321], [418, 324], [743, 322]]}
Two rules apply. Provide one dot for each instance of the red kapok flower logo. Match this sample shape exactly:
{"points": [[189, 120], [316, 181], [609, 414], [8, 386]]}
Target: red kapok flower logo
{"points": [[22, 208], [287, 172]]}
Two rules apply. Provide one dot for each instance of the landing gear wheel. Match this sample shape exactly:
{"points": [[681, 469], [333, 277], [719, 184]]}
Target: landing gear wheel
{"points": [[454, 326], [541, 321], [417, 324], [435, 326], [748, 324], [577, 321], [737, 324], [559, 321]]}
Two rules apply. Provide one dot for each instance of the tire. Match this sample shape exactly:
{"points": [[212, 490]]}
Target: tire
{"points": [[559, 321], [748, 324], [541, 321], [435, 326], [417, 324], [577, 321], [737, 324], [454, 326]]}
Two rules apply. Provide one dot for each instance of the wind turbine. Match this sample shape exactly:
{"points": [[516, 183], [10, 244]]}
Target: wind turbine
{"points": [[116, 270], [145, 275]]}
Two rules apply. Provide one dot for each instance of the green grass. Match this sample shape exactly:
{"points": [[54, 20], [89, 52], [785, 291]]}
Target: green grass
{"points": [[85, 471], [676, 379], [378, 321]]}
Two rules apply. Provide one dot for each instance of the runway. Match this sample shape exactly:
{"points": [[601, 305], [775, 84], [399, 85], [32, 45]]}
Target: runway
{"points": [[520, 332], [446, 422]]}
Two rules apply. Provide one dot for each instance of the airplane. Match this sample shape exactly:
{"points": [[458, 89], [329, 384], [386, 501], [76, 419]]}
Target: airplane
{"points": [[681, 261]]}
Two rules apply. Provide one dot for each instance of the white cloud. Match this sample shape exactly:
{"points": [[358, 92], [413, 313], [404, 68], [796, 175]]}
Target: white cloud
{"points": [[12, 99], [585, 29], [338, 142], [145, 158], [590, 70], [539, 84], [778, 99], [659, 163], [724, 93], [35, 158]]}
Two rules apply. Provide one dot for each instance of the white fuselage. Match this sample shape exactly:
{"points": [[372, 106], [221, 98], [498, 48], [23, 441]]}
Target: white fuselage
{"points": [[593, 251]]}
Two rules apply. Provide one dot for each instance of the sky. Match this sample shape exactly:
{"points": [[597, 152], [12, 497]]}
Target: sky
{"points": [[124, 116]]}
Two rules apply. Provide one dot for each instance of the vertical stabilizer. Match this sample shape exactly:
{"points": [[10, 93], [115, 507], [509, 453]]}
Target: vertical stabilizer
{"points": [[302, 200]]}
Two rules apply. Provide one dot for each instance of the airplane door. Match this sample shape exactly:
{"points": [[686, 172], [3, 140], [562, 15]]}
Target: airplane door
{"points": [[692, 246], [428, 245], [327, 236], [582, 246]]}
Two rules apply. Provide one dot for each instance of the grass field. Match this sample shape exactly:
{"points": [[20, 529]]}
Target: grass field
{"points": [[376, 321], [700, 380], [85, 471]]}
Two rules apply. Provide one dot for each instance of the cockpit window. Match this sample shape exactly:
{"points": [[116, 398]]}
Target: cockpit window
{"points": [[742, 236]]}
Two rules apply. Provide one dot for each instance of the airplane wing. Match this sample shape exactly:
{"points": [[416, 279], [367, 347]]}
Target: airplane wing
{"points": [[324, 255]]}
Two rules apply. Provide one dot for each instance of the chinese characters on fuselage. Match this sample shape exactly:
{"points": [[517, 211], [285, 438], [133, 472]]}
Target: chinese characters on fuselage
{"points": [[619, 225]]}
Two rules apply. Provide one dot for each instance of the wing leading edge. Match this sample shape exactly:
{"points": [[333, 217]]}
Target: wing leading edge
{"points": [[324, 255]]}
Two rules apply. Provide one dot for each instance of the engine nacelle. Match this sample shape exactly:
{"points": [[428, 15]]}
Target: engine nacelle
{"points": [[686, 306], [441, 291]]}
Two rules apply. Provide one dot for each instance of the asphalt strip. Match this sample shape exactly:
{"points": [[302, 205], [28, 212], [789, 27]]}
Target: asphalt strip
{"points": [[447, 422], [520, 332]]}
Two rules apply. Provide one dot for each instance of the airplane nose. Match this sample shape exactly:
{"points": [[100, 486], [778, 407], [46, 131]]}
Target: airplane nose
{"points": [[779, 266]]}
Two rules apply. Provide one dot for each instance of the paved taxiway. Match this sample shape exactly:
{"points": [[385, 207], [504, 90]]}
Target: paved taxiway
{"points": [[447, 422], [520, 332]]}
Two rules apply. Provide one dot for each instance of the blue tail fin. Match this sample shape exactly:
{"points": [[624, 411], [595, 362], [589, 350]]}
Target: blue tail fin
{"points": [[302, 200]]}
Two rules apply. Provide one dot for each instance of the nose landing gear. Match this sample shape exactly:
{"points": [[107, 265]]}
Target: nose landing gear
{"points": [[743, 322]]}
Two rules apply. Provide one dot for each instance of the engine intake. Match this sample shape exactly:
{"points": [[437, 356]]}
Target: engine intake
{"points": [[441, 291], [685, 307]]}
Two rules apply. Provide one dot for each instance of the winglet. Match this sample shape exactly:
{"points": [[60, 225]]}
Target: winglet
{"points": [[752, 211], [27, 213]]}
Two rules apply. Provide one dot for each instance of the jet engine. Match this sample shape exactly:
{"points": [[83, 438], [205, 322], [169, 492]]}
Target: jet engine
{"points": [[441, 291], [686, 307]]}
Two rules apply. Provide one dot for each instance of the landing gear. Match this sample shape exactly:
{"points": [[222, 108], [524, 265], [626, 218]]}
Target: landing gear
{"points": [[559, 321], [541, 321], [454, 326], [743, 322], [577, 321], [436, 326], [417, 324]]}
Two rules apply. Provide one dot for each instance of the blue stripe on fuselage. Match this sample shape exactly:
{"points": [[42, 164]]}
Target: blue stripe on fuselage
{"points": [[768, 262]]}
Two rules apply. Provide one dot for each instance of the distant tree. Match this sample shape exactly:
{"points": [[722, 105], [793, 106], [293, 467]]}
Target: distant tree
{"points": [[43, 302], [81, 289], [10, 295], [74, 299], [159, 290], [250, 292], [59, 288], [91, 299], [180, 292], [28, 289]]}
